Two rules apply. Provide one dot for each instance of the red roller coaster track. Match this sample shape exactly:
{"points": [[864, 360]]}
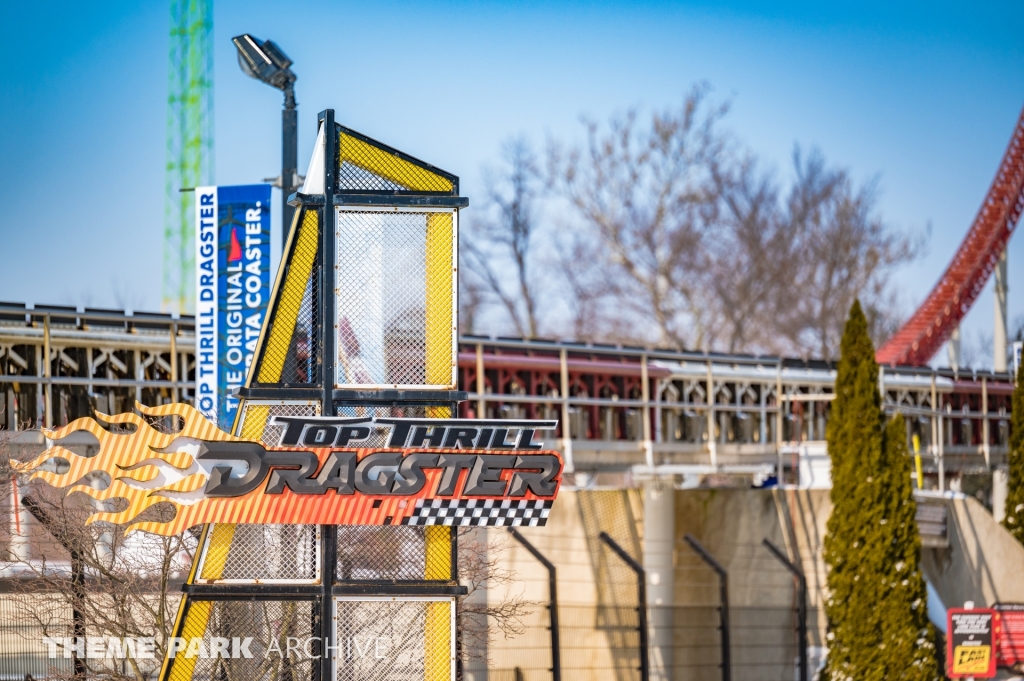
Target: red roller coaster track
{"points": [[961, 284]]}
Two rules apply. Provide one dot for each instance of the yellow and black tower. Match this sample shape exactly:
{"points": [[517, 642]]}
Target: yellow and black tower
{"points": [[362, 322]]}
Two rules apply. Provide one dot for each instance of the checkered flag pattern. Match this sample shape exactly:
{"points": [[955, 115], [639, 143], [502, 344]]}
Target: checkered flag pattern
{"points": [[480, 512]]}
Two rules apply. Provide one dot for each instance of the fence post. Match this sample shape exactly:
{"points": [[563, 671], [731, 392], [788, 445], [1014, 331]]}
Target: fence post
{"points": [[801, 604], [723, 595], [556, 657], [641, 584]]}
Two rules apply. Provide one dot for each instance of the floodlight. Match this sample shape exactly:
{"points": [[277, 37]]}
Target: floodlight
{"points": [[264, 61]]}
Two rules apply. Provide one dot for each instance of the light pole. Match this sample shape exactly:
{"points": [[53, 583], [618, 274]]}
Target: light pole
{"points": [[264, 61]]}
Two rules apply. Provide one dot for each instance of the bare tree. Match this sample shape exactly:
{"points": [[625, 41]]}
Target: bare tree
{"points": [[471, 301], [588, 291], [847, 251], [75, 579], [751, 258], [507, 236], [677, 236], [784, 269], [646, 195], [481, 557]]}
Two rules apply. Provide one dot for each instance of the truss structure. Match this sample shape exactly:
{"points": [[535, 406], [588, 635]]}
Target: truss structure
{"points": [[189, 143]]}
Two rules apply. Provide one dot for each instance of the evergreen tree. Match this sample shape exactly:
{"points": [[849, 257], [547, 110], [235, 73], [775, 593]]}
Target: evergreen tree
{"points": [[1014, 518], [908, 638], [878, 626]]}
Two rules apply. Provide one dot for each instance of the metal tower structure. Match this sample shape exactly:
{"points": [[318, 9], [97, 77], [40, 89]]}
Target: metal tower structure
{"points": [[189, 143]]}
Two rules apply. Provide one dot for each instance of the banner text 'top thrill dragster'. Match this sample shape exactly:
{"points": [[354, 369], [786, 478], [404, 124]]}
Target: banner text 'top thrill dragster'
{"points": [[232, 291]]}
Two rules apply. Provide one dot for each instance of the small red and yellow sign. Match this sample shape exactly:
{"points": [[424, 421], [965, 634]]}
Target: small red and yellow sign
{"points": [[971, 638], [971, 660]]}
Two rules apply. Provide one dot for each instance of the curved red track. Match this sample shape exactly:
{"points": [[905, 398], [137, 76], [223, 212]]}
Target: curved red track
{"points": [[961, 284]]}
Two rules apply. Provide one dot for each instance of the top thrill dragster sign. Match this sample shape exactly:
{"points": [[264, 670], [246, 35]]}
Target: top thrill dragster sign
{"points": [[232, 291], [323, 470]]}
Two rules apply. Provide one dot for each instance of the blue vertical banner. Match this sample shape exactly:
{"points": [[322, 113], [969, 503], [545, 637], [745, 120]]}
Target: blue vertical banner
{"points": [[232, 291]]}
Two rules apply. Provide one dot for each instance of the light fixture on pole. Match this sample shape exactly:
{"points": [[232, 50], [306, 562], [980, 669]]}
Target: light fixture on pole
{"points": [[264, 61]]}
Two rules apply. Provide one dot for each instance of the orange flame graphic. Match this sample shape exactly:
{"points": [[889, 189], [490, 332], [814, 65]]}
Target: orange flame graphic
{"points": [[145, 467]]}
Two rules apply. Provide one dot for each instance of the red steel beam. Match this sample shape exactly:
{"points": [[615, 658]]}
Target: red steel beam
{"points": [[961, 284]]}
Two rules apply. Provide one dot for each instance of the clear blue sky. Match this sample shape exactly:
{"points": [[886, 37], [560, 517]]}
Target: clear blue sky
{"points": [[922, 95]]}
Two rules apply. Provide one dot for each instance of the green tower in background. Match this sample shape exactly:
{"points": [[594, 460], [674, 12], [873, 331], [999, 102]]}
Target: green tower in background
{"points": [[189, 144]]}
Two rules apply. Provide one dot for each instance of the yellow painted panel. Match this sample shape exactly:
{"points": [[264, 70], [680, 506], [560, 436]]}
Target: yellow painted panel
{"points": [[390, 167], [438, 412], [217, 551], [195, 626], [440, 302], [255, 421], [438, 549], [438, 644], [286, 311]]}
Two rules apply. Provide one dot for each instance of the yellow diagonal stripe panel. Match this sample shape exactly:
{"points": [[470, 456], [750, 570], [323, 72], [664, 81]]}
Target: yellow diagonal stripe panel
{"points": [[255, 422], [286, 311], [217, 551], [437, 665], [195, 626], [440, 299], [390, 167], [438, 549]]}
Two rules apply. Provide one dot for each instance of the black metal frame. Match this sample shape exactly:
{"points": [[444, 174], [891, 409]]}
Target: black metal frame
{"points": [[322, 594], [351, 198], [801, 605], [556, 655], [723, 595], [641, 589]]}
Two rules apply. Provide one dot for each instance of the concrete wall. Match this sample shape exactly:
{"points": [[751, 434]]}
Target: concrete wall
{"points": [[596, 592], [983, 563]]}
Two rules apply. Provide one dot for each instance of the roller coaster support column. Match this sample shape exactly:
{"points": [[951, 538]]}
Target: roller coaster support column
{"points": [[999, 330], [659, 545], [954, 349]]}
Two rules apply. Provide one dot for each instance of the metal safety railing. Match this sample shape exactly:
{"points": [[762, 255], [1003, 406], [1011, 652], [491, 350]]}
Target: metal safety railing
{"points": [[643, 407]]}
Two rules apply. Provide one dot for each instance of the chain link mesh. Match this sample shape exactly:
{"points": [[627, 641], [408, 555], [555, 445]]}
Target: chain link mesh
{"points": [[256, 416], [394, 640], [374, 553], [395, 298], [269, 623], [615, 512], [292, 347], [365, 167], [265, 552], [301, 365], [368, 553]]}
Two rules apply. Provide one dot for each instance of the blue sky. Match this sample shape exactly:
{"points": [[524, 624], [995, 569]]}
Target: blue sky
{"points": [[922, 96]]}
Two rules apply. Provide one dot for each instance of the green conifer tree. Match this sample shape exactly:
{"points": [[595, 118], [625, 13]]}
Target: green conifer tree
{"points": [[908, 638], [876, 602], [1014, 518]]}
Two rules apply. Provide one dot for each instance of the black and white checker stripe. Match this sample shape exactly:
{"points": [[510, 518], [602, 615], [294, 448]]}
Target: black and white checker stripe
{"points": [[480, 512]]}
